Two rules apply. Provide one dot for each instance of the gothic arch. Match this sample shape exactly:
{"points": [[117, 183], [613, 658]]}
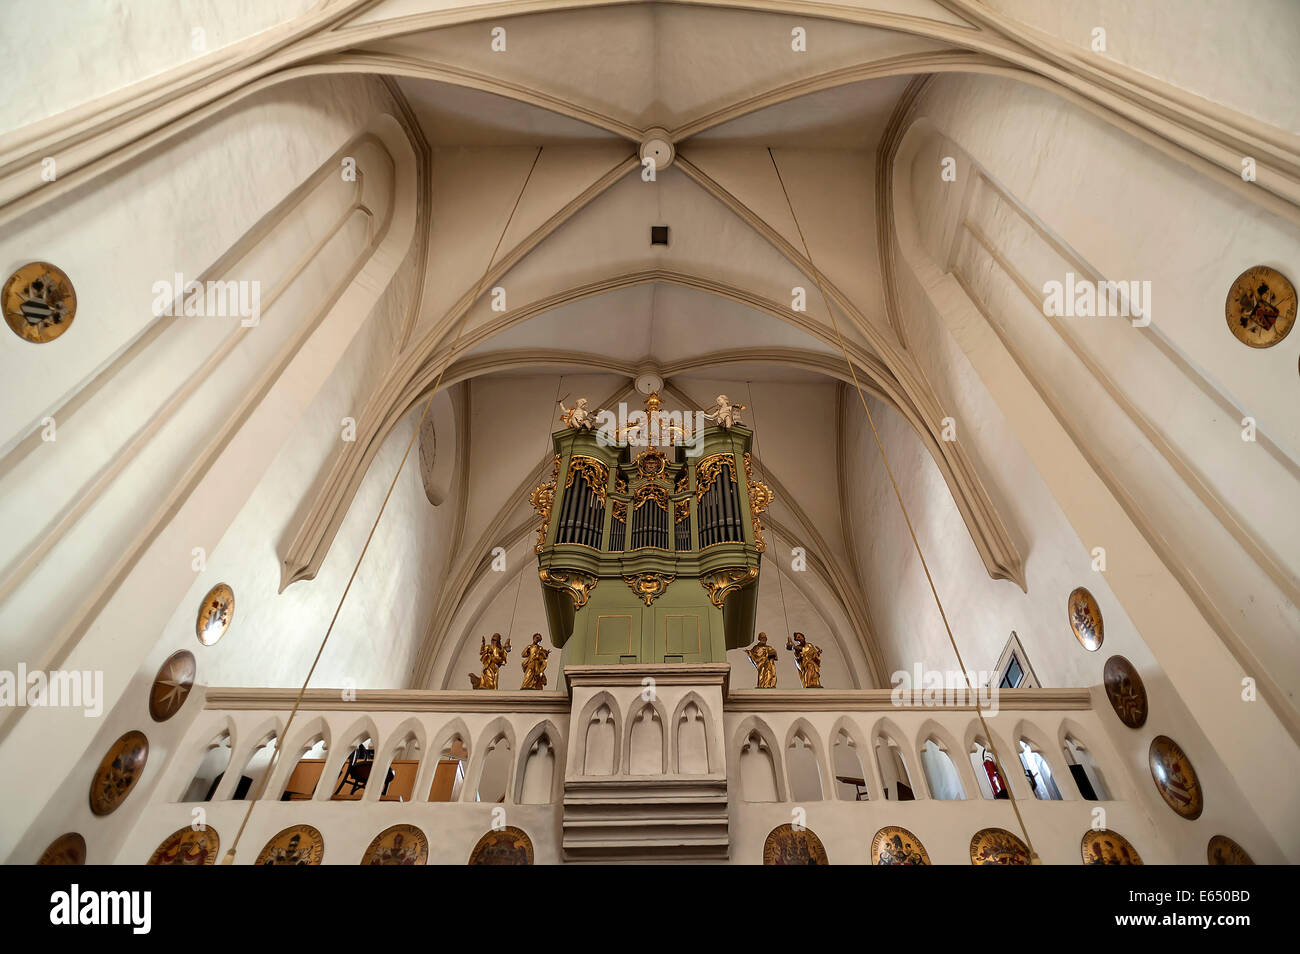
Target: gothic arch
{"points": [[556, 739], [748, 726], [711, 757], [579, 732], [635, 713]]}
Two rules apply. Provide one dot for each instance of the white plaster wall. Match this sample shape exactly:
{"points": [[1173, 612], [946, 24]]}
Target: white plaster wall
{"points": [[64, 54]]}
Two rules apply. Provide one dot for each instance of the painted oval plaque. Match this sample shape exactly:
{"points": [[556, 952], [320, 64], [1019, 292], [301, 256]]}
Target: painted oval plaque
{"points": [[67, 849], [39, 302], [504, 846], [786, 845], [1222, 850], [398, 845], [1175, 778], [188, 847], [215, 614], [117, 774], [1085, 619], [997, 846], [1108, 847], [296, 845], [1261, 307], [171, 687], [1126, 691], [897, 846]]}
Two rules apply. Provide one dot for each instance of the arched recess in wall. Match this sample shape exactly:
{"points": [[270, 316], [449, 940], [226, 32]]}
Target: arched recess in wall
{"points": [[596, 735], [852, 783], [692, 748], [804, 763], [493, 768], [758, 773], [439, 448], [540, 775], [647, 739], [214, 763]]}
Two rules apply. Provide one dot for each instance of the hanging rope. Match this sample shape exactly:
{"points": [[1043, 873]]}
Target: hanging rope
{"points": [[749, 390], [979, 711], [229, 857]]}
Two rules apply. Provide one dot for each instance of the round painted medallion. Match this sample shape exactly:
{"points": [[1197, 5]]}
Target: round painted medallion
{"points": [[1085, 620], [1126, 691], [39, 302], [215, 614], [1108, 847], [297, 845], [171, 687], [1261, 307], [503, 846], [118, 772], [1175, 778], [997, 846], [69, 849], [897, 846], [787, 845], [1222, 850], [188, 847], [399, 845]]}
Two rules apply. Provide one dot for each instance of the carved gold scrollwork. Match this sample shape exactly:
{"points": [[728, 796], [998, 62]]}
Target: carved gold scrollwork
{"points": [[683, 482], [574, 582], [709, 470], [543, 499], [760, 498], [593, 472], [620, 510], [649, 586], [722, 583], [650, 492], [681, 510]]}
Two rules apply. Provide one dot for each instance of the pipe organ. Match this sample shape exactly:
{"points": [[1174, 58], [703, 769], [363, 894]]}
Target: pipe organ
{"points": [[647, 553]]}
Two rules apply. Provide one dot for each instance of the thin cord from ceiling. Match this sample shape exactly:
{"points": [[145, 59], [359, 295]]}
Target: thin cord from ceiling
{"points": [[229, 857], [979, 710], [779, 576]]}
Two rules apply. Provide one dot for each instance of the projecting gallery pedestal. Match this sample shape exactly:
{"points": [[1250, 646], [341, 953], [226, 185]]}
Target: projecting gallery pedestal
{"points": [[646, 778]]}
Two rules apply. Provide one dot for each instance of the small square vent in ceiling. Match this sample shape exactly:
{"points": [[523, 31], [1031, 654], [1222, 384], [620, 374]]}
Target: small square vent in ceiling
{"points": [[658, 235]]}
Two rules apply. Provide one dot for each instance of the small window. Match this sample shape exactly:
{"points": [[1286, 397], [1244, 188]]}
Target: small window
{"points": [[658, 235], [1013, 669]]}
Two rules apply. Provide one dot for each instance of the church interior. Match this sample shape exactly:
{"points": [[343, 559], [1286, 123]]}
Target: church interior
{"points": [[559, 432]]}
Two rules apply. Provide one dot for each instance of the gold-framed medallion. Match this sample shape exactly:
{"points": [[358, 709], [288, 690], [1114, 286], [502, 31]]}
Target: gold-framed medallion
{"points": [[39, 302], [67, 849], [997, 846], [1085, 619], [1126, 691], [118, 772], [398, 845], [1261, 307], [897, 846], [787, 845], [215, 614], [188, 847], [1222, 850], [503, 846], [295, 845], [1106, 847], [171, 687], [1175, 779]]}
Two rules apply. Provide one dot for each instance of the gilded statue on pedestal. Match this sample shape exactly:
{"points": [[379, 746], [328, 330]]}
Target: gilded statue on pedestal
{"points": [[533, 659], [807, 659], [763, 657], [493, 656]]}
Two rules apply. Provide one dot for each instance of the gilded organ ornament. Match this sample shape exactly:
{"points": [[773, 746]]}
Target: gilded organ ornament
{"points": [[649, 586], [997, 846], [763, 657], [493, 657], [897, 846], [722, 583], [1175, 778], [1126, 692], [1261, 307], [760, 498], [725, 413], [807, 659], [650, 492], [1222, 850], [651, 463], [503, 846], [188, 847], [39, 302], [117, 774], [296, 845], [171, 687], [543, 499], [67, 849], [709, 470], [787, 845], [595, 473], [574, 582], [1085, 619], [215, 614], [398, 845], [533, 658], [1106, 847]]}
